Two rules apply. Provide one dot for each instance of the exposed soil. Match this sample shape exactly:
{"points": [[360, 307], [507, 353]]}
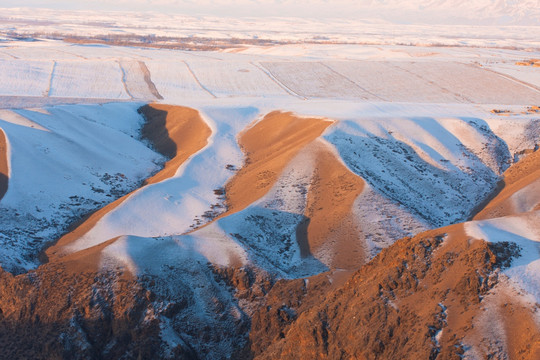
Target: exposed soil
{"points": [[332, 227], [418, 299], [176, 132], [269, 146], [4, 170], [59, 313], [148, 80], [518, 177]]}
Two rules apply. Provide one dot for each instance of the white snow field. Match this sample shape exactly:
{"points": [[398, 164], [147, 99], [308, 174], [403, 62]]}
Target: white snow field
{"points": [[28, 78], [363, 73], [234, 78], [88, 79]]}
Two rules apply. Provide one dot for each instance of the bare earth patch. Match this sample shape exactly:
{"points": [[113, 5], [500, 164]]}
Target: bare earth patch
{"points": [[269, 146], [4, 170]]}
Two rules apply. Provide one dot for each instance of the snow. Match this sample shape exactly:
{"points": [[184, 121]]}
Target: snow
{"points": [[313, 71], [374, 77], [88, 79], [177, 204], [528, 198], [526, 74], [134, 80], [174, 81], [28, 77], [417, 162], [314, 79], [505, 23], [434, 81], [234, 78], [143, 255], [471, 83], [383, 220], [524, 231], [268, 227], [412, 121], [518, 131], [63, 165], [15, 118]]}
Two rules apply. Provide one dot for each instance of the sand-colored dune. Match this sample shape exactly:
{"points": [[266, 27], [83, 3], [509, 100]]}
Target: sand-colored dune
{"points": [[4, 170], [269, 146], [175, 131], [521, 183], [329, 231], [332, 227]]}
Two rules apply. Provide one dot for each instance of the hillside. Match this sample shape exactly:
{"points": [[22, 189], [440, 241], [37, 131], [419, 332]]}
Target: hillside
{"points": [[291, 201]]}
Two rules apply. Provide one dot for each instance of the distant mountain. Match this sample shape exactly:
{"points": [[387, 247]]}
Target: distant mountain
{"points": [[481, 12]]}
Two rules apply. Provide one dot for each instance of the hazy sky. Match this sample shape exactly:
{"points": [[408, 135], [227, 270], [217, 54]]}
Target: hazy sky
{"points": [[446, 11], [300, 8]]}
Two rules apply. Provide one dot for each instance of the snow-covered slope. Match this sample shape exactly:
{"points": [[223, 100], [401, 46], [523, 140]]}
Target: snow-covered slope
{"points": [[523, 231], [421, 172], [439, 168], [64, 163]]}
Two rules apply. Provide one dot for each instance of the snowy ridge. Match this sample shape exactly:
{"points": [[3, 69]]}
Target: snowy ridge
{"points": [[53, 181], [415, 161], [457, 157], [178, 204]]}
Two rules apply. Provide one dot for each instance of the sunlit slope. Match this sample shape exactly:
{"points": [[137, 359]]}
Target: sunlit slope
{"points": [[519, 190], [468, 290], [294, 195]]}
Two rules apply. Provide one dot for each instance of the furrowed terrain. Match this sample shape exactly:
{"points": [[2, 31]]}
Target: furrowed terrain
{"points": [[214, 205]]}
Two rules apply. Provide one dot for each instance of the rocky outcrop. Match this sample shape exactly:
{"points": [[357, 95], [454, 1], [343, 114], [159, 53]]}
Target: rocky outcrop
{"points": [[58, 313], [418, 299]]}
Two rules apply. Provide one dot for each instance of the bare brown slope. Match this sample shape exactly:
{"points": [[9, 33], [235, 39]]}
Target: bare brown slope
{"points": [[175, 131], [395, 306], [269, 146], [332, 227], [61, 312], [4, 171], [516, 178]]}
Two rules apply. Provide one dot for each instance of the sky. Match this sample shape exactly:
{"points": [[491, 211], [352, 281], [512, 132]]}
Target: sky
{"points": [[525, 12], [228, 8]]}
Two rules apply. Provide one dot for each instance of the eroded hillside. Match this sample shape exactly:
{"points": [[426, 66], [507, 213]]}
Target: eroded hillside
{"points": [[261, 237]]}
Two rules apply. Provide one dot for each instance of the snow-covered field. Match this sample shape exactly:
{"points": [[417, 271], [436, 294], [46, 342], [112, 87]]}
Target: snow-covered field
{"points": [[362, 73], [28, 78], [88, 79]]}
